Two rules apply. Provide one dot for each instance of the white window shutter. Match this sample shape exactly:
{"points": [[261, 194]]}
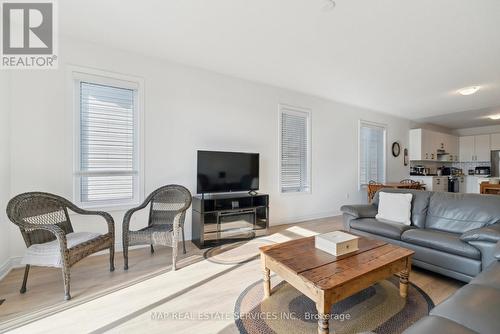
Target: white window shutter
{"points": [[295, 150], [108, 166], [372, 153]]}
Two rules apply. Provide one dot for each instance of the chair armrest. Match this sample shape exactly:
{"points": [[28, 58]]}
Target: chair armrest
{"points": [[52, 228], [130, 212], [489, 233], [496, 252], [360, 211], [109, 220]]}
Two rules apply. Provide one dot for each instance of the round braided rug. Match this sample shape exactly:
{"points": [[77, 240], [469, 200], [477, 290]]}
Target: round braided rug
{"points": [[379, 309]]}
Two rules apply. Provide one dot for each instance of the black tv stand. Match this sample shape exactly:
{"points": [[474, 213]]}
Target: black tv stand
{"points": [[223, 218]]}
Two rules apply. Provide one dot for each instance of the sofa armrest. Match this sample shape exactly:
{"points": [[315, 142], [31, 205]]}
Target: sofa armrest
{"points": [[489, 233], [496, 252], [360, 211]]}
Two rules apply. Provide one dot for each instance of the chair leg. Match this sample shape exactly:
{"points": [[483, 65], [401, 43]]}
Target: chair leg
{"points": [[174, 256], [183, 241], [152, 249], [66, 277], [25, 279], [112, 258], [125, 251]]}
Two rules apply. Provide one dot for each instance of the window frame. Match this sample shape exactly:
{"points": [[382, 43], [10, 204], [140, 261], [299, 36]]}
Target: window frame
{"points": [[282, 108], [78, 75], [364, 123]]}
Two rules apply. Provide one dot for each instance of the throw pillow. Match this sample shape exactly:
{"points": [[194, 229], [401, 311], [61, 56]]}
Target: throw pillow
{"points": [[394, 208]]}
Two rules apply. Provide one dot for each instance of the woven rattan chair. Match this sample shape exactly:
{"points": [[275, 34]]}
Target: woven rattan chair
{"points": [[372, 188], [167, 212], [47, 231]]}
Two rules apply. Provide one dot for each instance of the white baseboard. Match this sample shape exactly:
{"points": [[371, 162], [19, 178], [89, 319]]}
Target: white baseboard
{"points": [[9, 264]]}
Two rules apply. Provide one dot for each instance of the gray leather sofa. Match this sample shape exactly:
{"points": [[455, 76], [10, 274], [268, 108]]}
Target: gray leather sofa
{"points": [[452, 234], [475, 308]]}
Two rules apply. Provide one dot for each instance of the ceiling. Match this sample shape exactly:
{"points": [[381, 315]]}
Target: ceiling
{"points": [[465, 119], [406, 58]]}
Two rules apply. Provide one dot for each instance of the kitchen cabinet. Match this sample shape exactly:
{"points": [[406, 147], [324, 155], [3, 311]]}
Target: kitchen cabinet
{"points": [[424, 145], [451, 147], [471, 185], [475, 148], [432, 183], [482, 147], [466, 145], [462, 186], [495, 141], [440, 184]]}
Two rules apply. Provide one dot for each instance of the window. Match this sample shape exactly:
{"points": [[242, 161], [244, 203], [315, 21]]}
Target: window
{"points": [[295, 149], [372, 152], [107, 142]]}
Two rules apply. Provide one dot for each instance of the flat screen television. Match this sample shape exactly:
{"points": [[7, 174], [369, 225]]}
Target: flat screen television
{"points": [[227, 172]]}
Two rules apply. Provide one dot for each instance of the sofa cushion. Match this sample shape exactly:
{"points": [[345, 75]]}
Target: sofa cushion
{"points": [[473, 306], [489, 276], [371, 225], [433, 324], [459, 213], [48, 254], [443, 241], [419, 203]]}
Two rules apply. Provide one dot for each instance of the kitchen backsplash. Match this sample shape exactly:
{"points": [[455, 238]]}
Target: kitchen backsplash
{"points": [[465, 166], [434, 165]]}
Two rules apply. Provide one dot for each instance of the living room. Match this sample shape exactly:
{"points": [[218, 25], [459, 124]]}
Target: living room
{"points": [[131, 96]]}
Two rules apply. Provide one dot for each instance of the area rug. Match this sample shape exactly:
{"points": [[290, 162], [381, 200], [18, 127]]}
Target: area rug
{"points": [[379, 309]]}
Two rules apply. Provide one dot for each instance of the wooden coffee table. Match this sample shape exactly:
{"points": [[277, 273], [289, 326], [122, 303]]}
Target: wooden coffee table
{"points": [[327, 279]]}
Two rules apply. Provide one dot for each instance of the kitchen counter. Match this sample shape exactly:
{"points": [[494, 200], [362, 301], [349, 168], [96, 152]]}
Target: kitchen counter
{"points": [[432, 183]]}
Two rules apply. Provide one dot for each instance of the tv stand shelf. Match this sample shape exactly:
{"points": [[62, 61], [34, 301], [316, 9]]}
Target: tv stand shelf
{"points": [[222, 218]]}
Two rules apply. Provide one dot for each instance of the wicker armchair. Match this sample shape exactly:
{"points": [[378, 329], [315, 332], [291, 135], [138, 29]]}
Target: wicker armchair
{"points": [[47, 231], [167, 212]]}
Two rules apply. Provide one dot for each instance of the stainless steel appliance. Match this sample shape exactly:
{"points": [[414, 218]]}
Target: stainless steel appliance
{"points": [[495, 163], [483, 170], [419, 170], [445, 171], [453, 184]]}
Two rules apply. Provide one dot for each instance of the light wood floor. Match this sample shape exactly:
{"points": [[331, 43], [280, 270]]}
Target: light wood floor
{"points": [[91, 278]]}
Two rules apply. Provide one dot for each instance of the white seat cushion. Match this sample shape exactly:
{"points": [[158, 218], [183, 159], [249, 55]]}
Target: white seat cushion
{"points": [[49, 255], [394, 208]]}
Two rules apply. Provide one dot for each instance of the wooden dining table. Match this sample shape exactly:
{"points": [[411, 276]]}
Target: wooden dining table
{"points": [[398, 185]]}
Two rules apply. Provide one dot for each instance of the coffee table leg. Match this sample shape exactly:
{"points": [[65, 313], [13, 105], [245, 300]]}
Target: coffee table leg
{"points": [[267, 277], [323, 316], [403, 279]]}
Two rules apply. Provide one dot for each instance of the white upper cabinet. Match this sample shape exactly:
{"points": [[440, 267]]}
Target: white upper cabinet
{"points": [[495, 141], [424, 146], [482, 148], [467, 148], [475, 148]]}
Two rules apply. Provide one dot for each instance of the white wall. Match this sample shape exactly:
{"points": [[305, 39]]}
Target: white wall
{"points": [[4, 169], [189, 109]]}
